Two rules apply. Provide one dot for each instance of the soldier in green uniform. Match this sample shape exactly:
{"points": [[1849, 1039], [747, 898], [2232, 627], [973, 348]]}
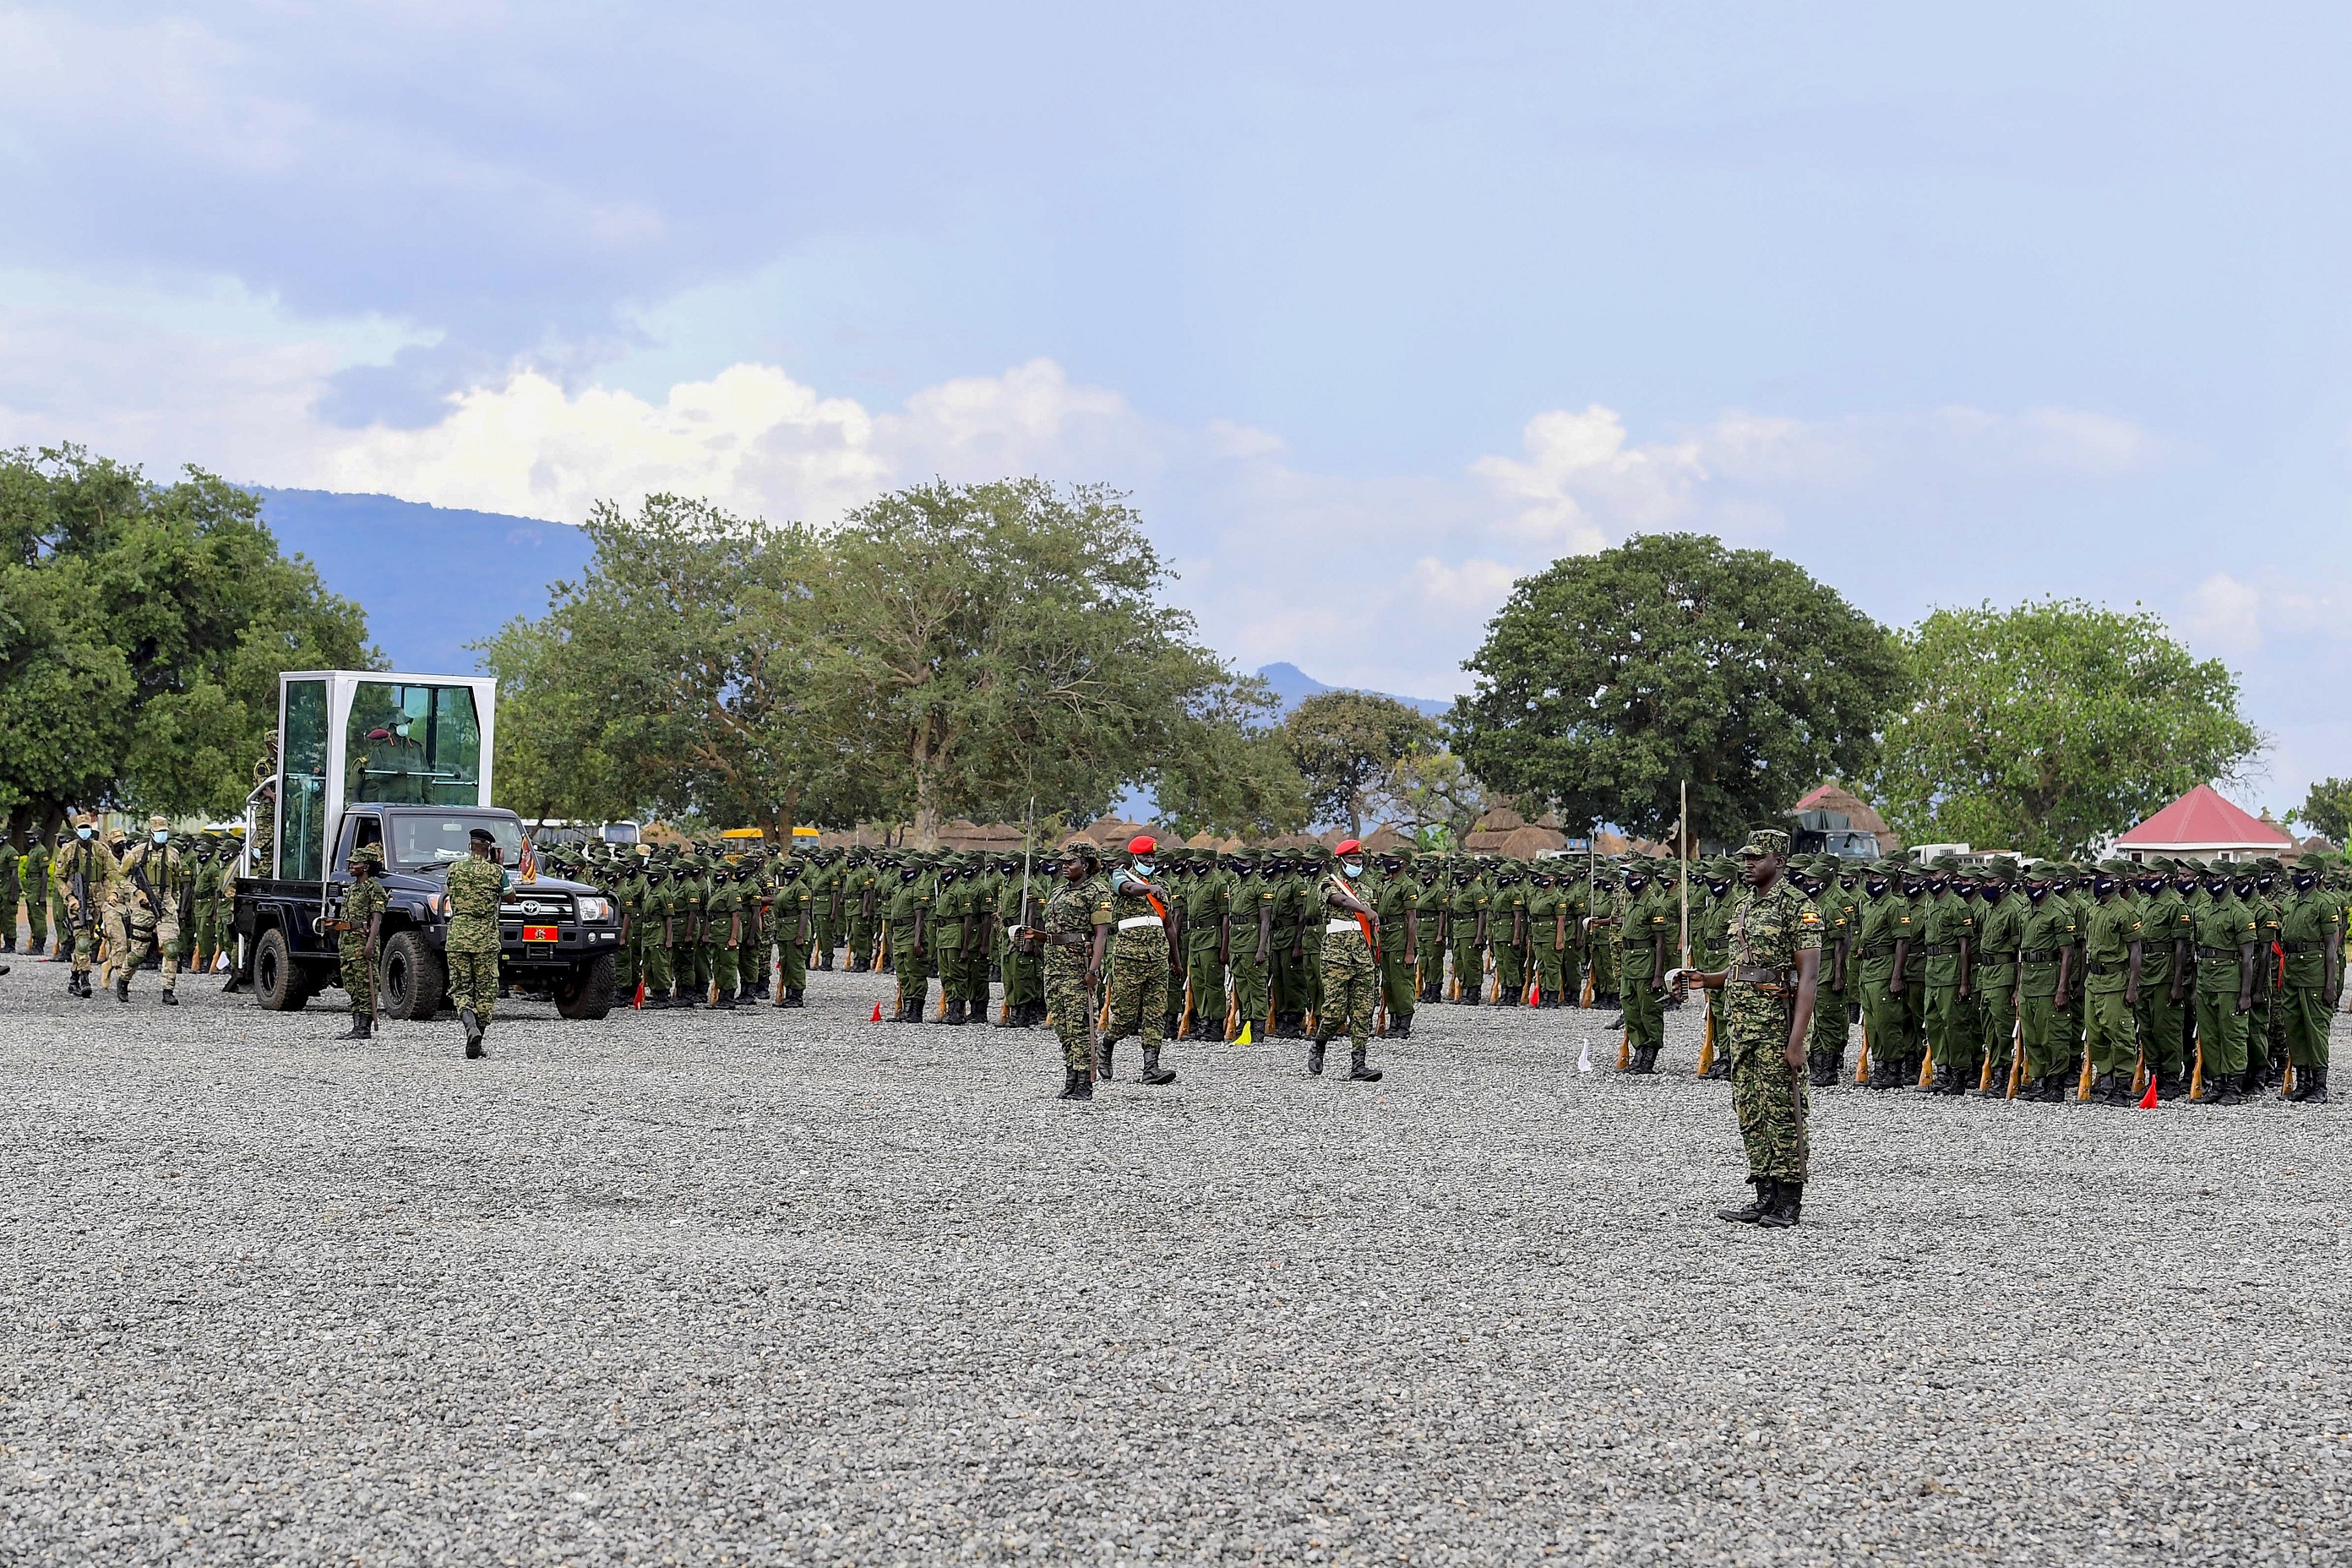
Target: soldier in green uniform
{"points": [[790, 907], [1075, 932], [1713, 898], [1139, 961], [1249, 924], [1018, 907], [1431, 900], [477, 887], [1883, 945], [1466, 916], [33, 874], [1508, 927], [1311, 872], [1207, 895], [360, 932], [950, 919], [81, 879], [1351, 975], [1772, 978], [1825, 1050], [2045, 960], [10, 861], [2000, 931], [1287, 991], [1547, 930], [2111, 951], [723, 915], [660, 943], [1600, 929], [2166, 940], [2264, 893], [1946, 927], [2312, 934], [1645, 932], [907, 913], [2226, 965]]}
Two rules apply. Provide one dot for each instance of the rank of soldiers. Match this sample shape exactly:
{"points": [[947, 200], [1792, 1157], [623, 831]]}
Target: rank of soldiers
{"points": [[2111, 982]]}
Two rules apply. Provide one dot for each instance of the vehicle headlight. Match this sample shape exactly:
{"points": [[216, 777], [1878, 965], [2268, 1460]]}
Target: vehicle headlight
{"points": [[595, 908], [441, 905]]}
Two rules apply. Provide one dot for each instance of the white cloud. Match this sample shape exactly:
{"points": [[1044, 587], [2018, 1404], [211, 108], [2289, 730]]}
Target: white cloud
{"points": [[2226, 616]]}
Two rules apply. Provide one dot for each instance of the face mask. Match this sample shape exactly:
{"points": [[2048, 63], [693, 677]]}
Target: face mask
{"points": [[83, 833], [2037, 894], [1635, 884], [1143, 868], [2304, 884], [1352, 870], [163, 837]]}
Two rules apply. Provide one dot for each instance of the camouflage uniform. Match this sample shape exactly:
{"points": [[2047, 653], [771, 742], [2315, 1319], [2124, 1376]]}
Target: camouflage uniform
{"points": [[1768, 930], [1350, 982], [150, 880], [475, 889], [1073, 910], [362, 902], [92, 863], [1139, 973]]}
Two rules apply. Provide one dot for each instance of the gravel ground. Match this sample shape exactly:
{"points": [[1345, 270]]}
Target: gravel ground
{"points": [[791, 1286]]}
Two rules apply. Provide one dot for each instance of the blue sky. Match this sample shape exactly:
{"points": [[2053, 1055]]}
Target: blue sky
{"points": [[1373, 307]]}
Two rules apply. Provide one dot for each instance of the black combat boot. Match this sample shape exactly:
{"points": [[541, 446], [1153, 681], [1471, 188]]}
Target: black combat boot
{"points": [[1076, 1085], [1014, 1016], [168, 999], [122, 985], [481, 1034], [1757, 1207], [1787, 1200], [757, 990], [1401, 1028], [361, 1029], [726, 1003], [2318, 1094], [824, 959], [793, 999], [1357, 1072], [1819, 1070], [2232, 1092], [9, 945], [1106, 1059], [473, 1028], [954, 1014], [1153, 1073], [1645, 1060], [1315, 1057]]}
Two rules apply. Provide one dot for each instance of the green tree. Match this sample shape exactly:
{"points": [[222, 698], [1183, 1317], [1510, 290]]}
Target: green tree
{"points": [[143, 630], [2327, 810], [1347, 746], [1230, 772], [997, 641], [1606, 681], [1434, 799], [675, 677], [2047, 727]]}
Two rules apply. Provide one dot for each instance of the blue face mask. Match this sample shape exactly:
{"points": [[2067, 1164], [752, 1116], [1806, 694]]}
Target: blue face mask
{"points": [[84, 833], [1353, 870], [163, 837], [1143, 869]]}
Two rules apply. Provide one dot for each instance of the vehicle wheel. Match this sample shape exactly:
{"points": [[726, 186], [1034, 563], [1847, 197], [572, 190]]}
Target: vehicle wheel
{"points": [[413, 979], [278, 980], [587, 992]]}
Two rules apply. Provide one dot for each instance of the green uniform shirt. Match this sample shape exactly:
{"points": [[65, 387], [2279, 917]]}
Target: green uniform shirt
{"points": [[2049, 927], [1885, 920], [2223, 926], [475, 889], [2106, 946]]}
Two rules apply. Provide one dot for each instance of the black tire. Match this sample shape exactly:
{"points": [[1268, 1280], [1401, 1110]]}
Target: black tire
{"points": [[278, 983], [586, 990], [411, 980]]}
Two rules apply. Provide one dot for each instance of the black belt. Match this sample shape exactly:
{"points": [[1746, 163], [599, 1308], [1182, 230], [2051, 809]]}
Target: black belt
{"points": [[1997, 960], [1877, 953], [2299, 948], [1075, 939], [1765, 977], [1938, 950], [2218, 954], [2098, 968], [2037, 956]]}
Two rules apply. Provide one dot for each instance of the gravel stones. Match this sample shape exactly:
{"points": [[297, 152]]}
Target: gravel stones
{"points": [[787, 1285]]}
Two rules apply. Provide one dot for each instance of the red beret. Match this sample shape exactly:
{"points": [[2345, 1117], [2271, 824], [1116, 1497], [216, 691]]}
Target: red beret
{"points": [[1142, 843], [1348, 846]]}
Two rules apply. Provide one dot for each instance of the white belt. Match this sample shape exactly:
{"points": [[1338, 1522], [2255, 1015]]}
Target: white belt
{"points": [[1345, 925], [1136, 923]]}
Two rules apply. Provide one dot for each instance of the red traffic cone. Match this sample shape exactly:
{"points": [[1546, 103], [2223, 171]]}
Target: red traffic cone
{"points": [[878, 1013], [2148, 1101]]}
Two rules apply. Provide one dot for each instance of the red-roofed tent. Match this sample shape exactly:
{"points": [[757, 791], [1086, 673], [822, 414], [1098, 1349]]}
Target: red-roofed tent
{"points": [[2201, 823]]}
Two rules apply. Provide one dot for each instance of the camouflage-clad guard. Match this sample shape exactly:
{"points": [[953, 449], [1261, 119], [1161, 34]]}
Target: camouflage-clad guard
{"points": [[361, 927], [1771, 980], [32, 873], [1138, 959], [1075, 931], [477, 888], [82, 877], [153, 878]]}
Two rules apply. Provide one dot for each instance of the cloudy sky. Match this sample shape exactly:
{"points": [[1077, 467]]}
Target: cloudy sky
{"points": [[1372, 307]]}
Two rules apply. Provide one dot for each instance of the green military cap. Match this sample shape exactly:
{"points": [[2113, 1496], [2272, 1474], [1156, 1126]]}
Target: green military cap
{"points": [[1765, 841], [372, 854], [1944, 863], [2269, 863], [1403, 852], [2003, 867]]}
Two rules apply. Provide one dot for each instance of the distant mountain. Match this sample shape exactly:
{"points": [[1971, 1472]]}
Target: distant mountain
{"points": [[1291, 684], [431, 579]]}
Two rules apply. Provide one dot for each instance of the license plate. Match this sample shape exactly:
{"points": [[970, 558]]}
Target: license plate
{"points": [[539, 933]]}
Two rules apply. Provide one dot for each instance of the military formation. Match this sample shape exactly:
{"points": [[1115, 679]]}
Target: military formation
{"points": [[114, 905]]}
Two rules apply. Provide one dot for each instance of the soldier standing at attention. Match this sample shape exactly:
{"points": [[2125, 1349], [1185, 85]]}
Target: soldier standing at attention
{"points": [[1601, 934], [1883, 945], [2045, 960], [1770, 982], [1643, 963], [8, 894], [724, 911], [1074, 930], [660, 917], [1547, 931], [33, 874], [1349, 977], [2000, 925], [1711, 942], [908, 912], [1206, 901], [477, 888], [788, 912], [2164, 949], [1947, 926], [1826, 1053], [2225, 985], [1466, 913], [1138, 959], [363, 928], [1429, 923], [1510, 925], [2313, 935], [1249, 941], [2111, 991]]}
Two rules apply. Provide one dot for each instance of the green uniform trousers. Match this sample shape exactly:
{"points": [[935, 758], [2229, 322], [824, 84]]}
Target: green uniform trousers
{"points": [[473, 981], [2220, 1033], [2161, 1028], [1347, 989], [1646, 1013], [1768, 1097], [1883, 1025], [359, 976], [1206, 977], [1139, 984], [2111, 1037], [1252, 994], [913, 969], [1996, 1028], [1944, 1029], [2306, 1026], [1470, 969], [1070, 1006], [1511, 975]]}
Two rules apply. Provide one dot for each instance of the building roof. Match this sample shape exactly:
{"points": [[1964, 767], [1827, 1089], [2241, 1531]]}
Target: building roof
{"points": [[1832, 795], [2201, 819]]}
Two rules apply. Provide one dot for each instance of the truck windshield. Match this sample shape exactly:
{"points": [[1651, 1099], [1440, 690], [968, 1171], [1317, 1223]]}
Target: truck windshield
{"points": [[422, 840]]}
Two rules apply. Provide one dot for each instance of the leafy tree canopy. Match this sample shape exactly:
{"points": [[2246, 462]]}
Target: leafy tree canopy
{"points": [[2327, 810], [1608, 680], [2047, 727], [143, 630], [1347, 746]]}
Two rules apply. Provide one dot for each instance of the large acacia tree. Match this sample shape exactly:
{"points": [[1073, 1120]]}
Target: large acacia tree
{"points": [[1608, 680], [2047, 727], [1349, 745]]}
